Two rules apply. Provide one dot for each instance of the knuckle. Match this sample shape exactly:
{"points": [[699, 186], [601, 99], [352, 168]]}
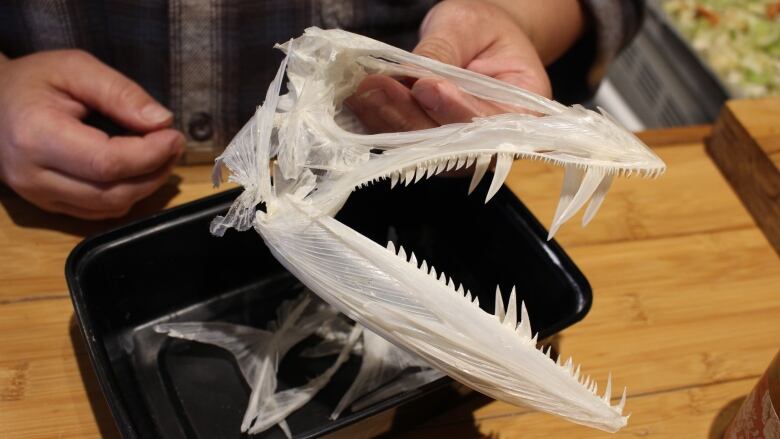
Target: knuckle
{"points": [[105, 167], [20, 138], [24, 182], [24, 125], [124, 91], [116, 199], [463, 14], [404, 124], [438, 48], [75, 57]]}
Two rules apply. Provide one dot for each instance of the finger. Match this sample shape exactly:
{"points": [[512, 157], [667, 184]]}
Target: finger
{"points": [[518, 64], [445, 103], [505, 54], [85, 152], [100, 200], [87, 79], [384, 105], [438, 40], [86, 214]]}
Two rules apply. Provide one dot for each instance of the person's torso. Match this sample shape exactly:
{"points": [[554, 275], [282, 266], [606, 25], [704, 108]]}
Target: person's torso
{"points": [[210, 61]]}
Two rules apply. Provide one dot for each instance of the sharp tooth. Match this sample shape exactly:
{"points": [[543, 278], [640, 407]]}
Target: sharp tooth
{"points": [[460, 291], [586, 384], [608, 391], [577, 373], [499, 311], [424, 266], [483, 163], [596, 200], [461, 162], [391, 246], [558, 360], [476, 301], [469, 161], [438, 167], [510, 319], [567, 365], [419, 173], [622, 404], [468, 296], [503, 166], [595, 387], [572, 177], [394, 179], [401, 252], [451, 162], [546, 350], [590, 182], [525, 323], [413, 260], [535, 339], [409, 176], [431, 170]]}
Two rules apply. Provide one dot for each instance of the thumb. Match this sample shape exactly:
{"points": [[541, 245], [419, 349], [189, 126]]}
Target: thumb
{"points": [[104, 89], [442, 35]]}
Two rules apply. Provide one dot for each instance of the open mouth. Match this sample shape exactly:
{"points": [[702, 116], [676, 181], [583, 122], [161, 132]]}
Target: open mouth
{"points": [[294, 157], [581, 183]]}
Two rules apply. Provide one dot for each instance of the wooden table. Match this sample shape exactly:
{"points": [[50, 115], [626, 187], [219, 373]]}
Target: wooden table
{"points": [[686, 310]]}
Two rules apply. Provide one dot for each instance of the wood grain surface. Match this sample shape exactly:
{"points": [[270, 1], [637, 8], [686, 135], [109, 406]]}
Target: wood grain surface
{"points": [[745, 144], [686, 306]]}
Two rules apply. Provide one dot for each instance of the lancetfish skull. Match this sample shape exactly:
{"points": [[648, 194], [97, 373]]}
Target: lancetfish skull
{"points": [[298, 156]]}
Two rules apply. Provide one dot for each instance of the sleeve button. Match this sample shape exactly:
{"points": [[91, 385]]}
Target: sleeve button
{"points": [[200, 126]]}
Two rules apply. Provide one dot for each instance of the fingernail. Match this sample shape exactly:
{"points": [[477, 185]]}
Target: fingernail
{"points": [[155, 113], [374, 98], [427, 95]]}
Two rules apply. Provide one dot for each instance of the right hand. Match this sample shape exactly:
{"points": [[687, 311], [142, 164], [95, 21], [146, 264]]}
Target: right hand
{"points": [[52, 159]]}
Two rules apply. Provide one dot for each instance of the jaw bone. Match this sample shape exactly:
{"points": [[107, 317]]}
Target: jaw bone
{"points": [[296, 158]]}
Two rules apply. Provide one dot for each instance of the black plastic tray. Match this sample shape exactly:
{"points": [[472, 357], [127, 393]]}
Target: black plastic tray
{"points": [[169, 268]]}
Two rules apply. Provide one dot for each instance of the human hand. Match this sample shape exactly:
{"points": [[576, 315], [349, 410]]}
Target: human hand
{"points": [[52, 159], [475, 35]]}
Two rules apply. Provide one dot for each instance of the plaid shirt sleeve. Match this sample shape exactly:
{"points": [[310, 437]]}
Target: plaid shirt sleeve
{"points": [[613, 24]]}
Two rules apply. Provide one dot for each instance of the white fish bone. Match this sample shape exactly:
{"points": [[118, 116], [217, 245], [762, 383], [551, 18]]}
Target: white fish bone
{"points": [[320, 164]]}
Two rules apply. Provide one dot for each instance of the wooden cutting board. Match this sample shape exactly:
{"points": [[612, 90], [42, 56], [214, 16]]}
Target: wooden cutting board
{"points": [[745, 144]]}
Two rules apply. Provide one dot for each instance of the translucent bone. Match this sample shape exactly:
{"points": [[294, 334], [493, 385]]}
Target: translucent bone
{"points": [[299, 134], [503, 165], [257, 351], [483, 162], [281, 404], [596, 200], [382, 361], [403, 384]]}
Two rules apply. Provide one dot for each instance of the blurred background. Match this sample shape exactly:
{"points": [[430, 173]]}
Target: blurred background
{"points": [[689, 57]]}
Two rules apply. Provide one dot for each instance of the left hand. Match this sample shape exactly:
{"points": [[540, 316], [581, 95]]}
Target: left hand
{"points": [[475, 35]]}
